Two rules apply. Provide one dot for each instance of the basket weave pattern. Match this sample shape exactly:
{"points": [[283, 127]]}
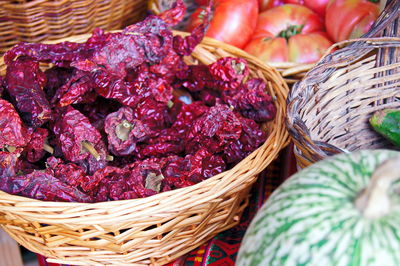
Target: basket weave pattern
{"points": [[328, 111], [157, 229], [38, 20]]}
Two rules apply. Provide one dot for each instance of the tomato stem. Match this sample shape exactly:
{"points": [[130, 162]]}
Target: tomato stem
{"points": [[291, 31]]}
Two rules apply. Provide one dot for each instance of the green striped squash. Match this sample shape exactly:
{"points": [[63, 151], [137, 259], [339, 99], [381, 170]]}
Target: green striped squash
{"points": [[313, 218]]}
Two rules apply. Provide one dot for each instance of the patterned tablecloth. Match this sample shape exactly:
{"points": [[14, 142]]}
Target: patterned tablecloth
{"points": [[222, 249]]}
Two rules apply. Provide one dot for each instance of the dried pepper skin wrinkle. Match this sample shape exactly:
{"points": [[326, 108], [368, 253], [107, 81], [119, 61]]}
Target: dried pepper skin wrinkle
{"points": [[251, 138], [214, 130], [61, 54], [79, 88], [72, 129], [251, 100], [8, 164], [34, 150], [170, 141], [137, 180], [69, 173], [229, 72], [202, 165], [124, 131], [24, 81], [185, 45], [42, 186], [175, 14], [56, 77], [12, 131]]}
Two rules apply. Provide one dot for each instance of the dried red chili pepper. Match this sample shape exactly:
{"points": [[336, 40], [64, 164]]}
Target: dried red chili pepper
{"points": [[214, 130], [188, 114], [78, 89], [168, 141], [251, 100], [228, 72], [56, 77], [251, 138], [52, 53], [208, 96], [194, 168], [99, 159], [137, 180], [42, 186], [174, 171], [76, 136], [12, 132], [24, 81], [1, 86], [60, 54], [145, 177], [185, 46], [202, 165], [175, 14], [37, 146], [124, 131], [195, 78], [97, 111], [98, 185], [8, 164], [69, 173], [152, 113]]}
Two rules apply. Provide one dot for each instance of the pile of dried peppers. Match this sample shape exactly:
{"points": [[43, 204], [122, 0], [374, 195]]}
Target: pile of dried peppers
{"points": [[122, 116]]}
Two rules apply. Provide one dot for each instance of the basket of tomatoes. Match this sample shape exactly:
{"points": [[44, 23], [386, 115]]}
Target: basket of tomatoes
{"points": [[135, 146], [291, 35]]}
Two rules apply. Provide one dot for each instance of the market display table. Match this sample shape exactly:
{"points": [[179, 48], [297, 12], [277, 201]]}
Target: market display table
{"points": [[222, 249]]}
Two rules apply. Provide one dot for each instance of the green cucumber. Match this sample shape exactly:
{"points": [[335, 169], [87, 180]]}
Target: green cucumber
{"points": [[387, 123]]}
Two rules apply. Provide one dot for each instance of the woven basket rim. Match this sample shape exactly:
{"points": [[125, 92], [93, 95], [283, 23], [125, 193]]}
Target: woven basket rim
{"points": [[277, 146]]}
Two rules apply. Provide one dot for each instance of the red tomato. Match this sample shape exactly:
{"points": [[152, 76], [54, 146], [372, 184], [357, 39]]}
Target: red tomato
{"points": [[232, 21], [267, 4], [318, 6], [289, 33], [347, 19]]}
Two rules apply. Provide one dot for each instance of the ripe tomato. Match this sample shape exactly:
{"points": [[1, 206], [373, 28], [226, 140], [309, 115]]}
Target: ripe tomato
{"points": [[267, 4], [347, 19], [318, 6], [289, 33], [232, 21]]}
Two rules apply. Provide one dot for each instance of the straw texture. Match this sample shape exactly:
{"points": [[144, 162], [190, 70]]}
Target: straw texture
{"points": [[160, 228], [328, 110], [39, 20]]}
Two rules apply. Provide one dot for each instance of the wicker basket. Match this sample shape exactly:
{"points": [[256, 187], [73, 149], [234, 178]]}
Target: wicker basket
{"points": [[38, 20], [160, 228], [328, 110]]}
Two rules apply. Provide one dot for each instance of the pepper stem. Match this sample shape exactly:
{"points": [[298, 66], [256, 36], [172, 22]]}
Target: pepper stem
{"points": [[48, 148], [374, 201], [90, 148], [10, 148], [122, 130]]}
